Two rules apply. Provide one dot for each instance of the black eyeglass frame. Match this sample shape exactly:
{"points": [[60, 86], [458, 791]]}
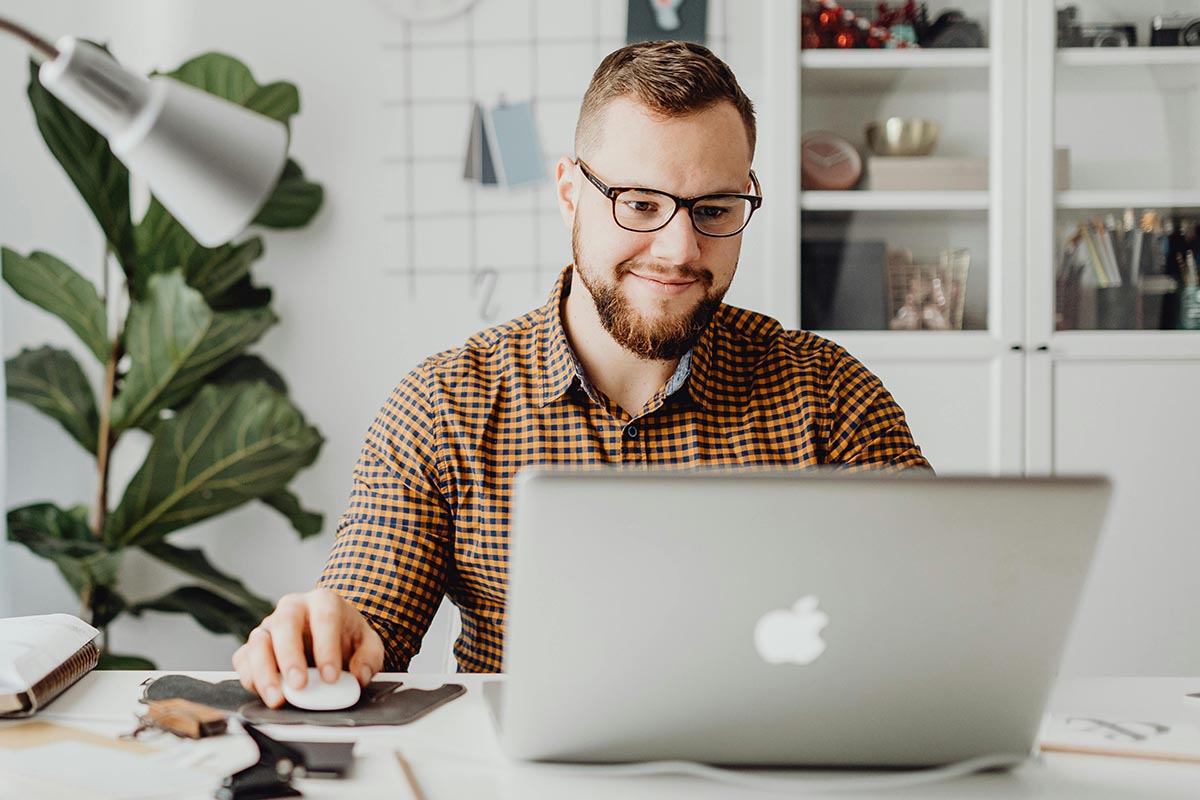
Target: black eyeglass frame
{"points": [[613, 192]]}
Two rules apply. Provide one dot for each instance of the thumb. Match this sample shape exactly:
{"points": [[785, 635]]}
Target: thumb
{"points": [[367, 653]]}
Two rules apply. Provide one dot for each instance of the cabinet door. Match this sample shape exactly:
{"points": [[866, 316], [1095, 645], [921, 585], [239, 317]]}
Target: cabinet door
{"points": [[1112, 377], [965, 414], [1114, 168], [917, 272], [1135, 421]]}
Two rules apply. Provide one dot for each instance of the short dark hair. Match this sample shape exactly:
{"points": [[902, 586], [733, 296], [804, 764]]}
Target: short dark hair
{"points": [[669, 78]]}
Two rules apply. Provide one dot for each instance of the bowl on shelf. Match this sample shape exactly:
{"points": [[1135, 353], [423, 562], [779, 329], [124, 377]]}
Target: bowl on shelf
{"points": [[902, 136]]}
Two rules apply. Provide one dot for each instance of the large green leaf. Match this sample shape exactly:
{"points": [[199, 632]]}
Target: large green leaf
{"points": [[216, 613], [225, 76], [101, 179], [214, 272], [106, 605], [52, 285], [175, 341], [52, 381], [306, 523], [230, 445], [63, 536], [249, 369], [116, 661], [193, 562], [164, 245], [244, 295], [294, 202]]}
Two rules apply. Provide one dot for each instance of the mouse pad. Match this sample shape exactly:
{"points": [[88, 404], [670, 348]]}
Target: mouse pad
{"points": [[382, 702]]}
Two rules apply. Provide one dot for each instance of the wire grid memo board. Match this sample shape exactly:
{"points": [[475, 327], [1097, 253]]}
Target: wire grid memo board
{"points": [[496, 242]]}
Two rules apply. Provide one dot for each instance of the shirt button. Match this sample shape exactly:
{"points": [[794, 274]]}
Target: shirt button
{"points": [[631, 431]]}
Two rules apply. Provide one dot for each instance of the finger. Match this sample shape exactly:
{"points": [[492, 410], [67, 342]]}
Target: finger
{"points": [[327, 622], [242, 665], [368, 654], [264, 672], [287, 627]]}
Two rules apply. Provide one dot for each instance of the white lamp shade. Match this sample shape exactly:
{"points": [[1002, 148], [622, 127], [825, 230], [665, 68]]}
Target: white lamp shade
{"points": [[210, 162]]}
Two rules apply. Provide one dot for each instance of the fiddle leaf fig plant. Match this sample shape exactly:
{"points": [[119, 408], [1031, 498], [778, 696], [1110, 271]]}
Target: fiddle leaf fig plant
{"points": [[176, 369]]}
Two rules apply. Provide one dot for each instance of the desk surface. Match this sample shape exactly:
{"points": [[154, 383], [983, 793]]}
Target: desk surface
{"points": [[454, 753]]}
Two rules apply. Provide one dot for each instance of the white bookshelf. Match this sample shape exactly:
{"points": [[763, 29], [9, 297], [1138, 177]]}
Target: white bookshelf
{"points": [[868, 200], [949, 58], [1140, 198], [1020, 396], [1127, 56]]}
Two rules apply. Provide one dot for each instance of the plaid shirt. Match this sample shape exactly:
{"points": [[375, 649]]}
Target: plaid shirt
{"points": [[429, 509]]}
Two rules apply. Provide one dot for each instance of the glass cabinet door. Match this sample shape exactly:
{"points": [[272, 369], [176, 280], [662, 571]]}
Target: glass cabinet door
{"points": [[1126, 113], [896, 157]]}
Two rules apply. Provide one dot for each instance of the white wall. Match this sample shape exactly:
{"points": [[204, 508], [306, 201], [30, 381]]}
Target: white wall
{"points": [[350, 328]]}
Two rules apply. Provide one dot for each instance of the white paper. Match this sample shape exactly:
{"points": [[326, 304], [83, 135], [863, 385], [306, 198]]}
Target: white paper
{"points": [[76, 769], [1121, 737], [32, 647]]}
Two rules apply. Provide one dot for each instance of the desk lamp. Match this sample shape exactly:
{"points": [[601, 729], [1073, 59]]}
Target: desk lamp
{"points": [[210, 162]]}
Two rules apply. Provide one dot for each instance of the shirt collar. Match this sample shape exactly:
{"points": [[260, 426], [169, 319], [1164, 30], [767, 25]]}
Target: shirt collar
{"points": [[557, 366], [559, 369]]}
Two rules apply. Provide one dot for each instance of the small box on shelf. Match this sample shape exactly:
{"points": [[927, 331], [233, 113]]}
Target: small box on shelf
{"points": [[926, 173]]}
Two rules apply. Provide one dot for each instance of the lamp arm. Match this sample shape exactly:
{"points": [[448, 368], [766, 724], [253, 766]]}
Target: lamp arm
{"points": [[35, 41]]}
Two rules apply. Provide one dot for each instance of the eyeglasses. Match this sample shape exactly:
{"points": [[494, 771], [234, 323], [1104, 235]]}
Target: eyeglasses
{"points": [[649, 210]]}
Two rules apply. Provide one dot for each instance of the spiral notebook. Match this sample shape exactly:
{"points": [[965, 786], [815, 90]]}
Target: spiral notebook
{"points": [[40, 658]]}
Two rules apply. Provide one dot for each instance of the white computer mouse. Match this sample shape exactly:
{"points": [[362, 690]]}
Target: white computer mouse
{"points": [[317, 695]]}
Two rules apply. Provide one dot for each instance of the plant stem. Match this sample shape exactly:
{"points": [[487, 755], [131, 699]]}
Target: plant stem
{"points": [[106, 440]]}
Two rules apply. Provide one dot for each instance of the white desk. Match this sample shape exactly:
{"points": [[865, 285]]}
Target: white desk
{"points": [[454, 754]]}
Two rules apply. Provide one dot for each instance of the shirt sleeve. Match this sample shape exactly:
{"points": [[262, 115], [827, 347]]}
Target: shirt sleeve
{"points": [[394, 544], [867, 426]]}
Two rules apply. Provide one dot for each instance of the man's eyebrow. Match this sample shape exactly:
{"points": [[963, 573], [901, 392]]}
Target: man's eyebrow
{"points": [[737, 190]]}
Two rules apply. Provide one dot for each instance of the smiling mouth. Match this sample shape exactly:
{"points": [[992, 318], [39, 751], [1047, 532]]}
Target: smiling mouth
{"points": [[665, 281]]}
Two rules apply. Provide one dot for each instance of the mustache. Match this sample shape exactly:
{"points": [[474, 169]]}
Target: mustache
{"points": [[686, 272]]}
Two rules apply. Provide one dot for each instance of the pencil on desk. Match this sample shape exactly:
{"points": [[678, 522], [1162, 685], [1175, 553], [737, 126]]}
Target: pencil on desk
{"points": [[409, 776], [1117, 752]]}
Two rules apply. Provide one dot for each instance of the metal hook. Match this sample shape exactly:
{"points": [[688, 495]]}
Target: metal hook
{"points": [[485, 281]]}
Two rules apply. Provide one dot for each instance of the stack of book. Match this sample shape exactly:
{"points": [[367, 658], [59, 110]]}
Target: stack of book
{"points": [[40, 658]]}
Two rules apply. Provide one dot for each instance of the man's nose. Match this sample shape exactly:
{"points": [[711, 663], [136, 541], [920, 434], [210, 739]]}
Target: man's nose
{"points": [[678, 242]]}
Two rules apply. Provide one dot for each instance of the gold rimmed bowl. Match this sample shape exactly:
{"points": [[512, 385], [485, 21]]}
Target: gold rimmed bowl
{"points": [[902, 136]]}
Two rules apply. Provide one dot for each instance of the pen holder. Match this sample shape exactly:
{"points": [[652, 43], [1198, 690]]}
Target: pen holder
{"points": [[1189, 308]]}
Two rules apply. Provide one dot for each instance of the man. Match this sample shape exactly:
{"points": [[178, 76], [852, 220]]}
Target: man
{"points": [[634, 360]]}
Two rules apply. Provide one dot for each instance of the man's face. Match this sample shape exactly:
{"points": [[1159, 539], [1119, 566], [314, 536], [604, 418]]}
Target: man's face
{"points": [[655, 292]]}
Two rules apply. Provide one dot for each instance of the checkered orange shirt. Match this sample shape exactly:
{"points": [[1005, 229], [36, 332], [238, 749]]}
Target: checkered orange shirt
{"points": [[429, 509]]}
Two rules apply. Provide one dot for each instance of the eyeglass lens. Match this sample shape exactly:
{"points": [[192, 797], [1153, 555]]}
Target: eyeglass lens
{"points": [[646, 210]]}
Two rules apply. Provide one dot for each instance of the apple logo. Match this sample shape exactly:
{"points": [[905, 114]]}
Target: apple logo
{"points": [[791, 635]]}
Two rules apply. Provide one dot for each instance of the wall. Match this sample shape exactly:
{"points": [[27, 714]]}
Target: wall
{"points": [[356, 314]]}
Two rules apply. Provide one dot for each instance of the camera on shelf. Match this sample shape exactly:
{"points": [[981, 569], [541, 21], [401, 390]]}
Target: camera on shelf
{"points": [[1175, 30], [1071, 33], [953, 29]]}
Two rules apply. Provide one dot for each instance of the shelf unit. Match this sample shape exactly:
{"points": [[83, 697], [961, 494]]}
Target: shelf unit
{"points": [[1019, 396], [867, 200], [1140, 198]]}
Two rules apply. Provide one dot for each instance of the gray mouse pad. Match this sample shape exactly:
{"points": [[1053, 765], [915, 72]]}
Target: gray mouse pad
{"points": [[382, 702]]}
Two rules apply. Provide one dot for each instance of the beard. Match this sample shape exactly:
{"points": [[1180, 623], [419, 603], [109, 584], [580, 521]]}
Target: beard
{"points": [[663, 338]]}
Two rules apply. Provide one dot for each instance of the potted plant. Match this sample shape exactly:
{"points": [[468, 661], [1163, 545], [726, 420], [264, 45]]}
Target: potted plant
{"points": [[221, 429]]}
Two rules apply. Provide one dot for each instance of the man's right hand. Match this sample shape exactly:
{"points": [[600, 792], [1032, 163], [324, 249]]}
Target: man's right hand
{"points": [[321, 623]]}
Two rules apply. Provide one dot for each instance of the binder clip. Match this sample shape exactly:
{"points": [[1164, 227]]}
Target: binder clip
{"points": [[271, 776]]}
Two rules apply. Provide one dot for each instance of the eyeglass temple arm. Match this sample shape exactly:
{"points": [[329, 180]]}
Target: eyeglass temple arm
{"points": [[32, 39]]}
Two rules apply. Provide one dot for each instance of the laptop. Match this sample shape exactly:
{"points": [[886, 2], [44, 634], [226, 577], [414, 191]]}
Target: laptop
{"points": [[787, 618]]}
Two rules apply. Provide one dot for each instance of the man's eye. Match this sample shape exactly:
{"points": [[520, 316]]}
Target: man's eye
{"points": [[641, 206], [711, 212]]}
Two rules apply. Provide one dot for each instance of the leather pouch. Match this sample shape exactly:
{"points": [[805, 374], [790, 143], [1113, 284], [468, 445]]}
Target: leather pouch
{"points": [[382, 702]]}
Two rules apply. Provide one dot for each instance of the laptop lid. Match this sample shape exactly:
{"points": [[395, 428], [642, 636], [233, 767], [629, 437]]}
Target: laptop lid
{"points": [[787, 617]]}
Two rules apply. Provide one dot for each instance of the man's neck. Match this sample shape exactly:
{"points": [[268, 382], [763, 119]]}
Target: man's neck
{"points": [[628, 380]]}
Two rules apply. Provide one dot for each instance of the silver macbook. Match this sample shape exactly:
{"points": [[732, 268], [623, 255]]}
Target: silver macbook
{"points": [[788, 618]]}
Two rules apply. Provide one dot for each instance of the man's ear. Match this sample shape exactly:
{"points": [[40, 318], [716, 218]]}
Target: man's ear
{"points": [[567, 190]]}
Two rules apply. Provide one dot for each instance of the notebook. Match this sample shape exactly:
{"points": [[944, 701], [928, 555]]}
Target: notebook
{"points": [[40, 658]]}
